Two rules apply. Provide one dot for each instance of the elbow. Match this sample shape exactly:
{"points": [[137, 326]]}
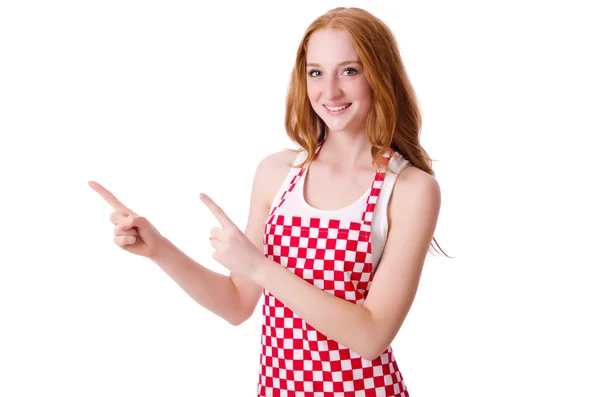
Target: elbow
{"points": [[372, 354], [371, 343], [367, 342], [237, 321], [238, 318], [373, 350], [233, 317]]}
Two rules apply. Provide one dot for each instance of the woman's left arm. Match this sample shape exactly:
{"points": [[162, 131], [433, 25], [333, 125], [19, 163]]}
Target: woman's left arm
{"points": [[370, 328]]}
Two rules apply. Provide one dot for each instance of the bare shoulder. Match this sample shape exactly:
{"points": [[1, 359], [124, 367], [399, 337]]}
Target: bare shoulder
{"points": [[417, 190], [278, 161], [271, 173]]}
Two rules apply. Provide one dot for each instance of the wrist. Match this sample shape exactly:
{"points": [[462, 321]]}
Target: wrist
{"points": [[261, 270], [163, 250]]}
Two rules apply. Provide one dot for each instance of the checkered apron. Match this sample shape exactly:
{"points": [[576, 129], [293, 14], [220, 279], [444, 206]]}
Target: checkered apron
{"points": [[335, 256]]}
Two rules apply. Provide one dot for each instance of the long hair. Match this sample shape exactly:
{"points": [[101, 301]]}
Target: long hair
{"points": [[394, 121]]}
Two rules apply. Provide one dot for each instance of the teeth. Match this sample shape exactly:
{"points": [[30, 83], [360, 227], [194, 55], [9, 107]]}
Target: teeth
{"points": [[337, 108]]}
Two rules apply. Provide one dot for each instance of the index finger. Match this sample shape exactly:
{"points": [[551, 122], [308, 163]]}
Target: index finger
{"points": [[110, 198], [217, 211]]}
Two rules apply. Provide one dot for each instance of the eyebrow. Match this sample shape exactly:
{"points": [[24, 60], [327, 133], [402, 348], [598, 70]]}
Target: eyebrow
{"points": [[339, 64]]}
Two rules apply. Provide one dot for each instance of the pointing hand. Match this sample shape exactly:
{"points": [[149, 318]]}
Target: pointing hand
{"points": [[132, 232], [233, 249]]}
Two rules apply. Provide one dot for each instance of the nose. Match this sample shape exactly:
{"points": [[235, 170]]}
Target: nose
{"points": [[332, 88]]}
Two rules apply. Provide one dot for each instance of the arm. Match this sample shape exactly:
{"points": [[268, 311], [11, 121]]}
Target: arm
{"points": [[232, 297], [215, 292], [369, 329]]}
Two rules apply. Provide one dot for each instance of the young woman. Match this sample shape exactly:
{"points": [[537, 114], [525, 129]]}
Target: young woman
{"points": [[338, 231]]}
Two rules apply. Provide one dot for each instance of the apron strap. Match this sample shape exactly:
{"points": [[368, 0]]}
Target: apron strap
{"points": [[367, 216]]}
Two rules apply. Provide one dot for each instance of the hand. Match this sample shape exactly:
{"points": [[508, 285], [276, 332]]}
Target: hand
{"points": [[234, 250], [132, 232]]}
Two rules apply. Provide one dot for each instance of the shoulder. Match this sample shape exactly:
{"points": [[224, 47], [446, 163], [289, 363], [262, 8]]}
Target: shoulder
{"points": [[272, 171], [279, 160], [414, 191], [276, 165]]}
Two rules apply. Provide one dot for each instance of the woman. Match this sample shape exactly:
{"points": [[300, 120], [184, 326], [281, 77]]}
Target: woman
{"points": [[336, 242]]}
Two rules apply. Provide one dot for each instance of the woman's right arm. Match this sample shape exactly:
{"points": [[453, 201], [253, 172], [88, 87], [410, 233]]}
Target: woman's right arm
{"points": [[233, 297], [210, 289]]}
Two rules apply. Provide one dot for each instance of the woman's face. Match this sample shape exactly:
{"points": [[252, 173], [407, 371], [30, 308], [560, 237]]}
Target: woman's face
{"points": [[337, 87]]}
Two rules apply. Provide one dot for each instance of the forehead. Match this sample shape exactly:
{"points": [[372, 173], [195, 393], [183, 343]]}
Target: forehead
{"points": [[330, 46]]}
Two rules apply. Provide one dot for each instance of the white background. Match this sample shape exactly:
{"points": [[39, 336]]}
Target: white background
{"points": [[160, 101]]}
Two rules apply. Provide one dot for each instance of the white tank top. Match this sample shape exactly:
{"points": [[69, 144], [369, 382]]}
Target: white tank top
{"points": [[295, 204]]}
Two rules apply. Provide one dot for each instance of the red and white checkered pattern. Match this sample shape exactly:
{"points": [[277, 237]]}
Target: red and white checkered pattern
{"points": [[297, 360]]}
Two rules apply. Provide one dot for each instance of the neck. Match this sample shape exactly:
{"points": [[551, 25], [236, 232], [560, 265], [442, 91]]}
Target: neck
{"points": [[346, 149]]}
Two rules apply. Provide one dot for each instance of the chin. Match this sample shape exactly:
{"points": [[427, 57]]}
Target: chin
{"points": [[349, 125]]}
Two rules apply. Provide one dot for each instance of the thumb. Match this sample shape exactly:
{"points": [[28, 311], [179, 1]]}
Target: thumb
{"points": [[138, 221]]}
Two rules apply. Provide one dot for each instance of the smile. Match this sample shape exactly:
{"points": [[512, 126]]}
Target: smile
{"points": [[336, 109]]}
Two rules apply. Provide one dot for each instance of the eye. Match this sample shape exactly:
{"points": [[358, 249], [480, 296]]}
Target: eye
{"points": [[312, 72], [352, 70]]}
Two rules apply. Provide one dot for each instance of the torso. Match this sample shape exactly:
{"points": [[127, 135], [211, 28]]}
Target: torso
{"points": [[338, 194], [332, 246]]}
